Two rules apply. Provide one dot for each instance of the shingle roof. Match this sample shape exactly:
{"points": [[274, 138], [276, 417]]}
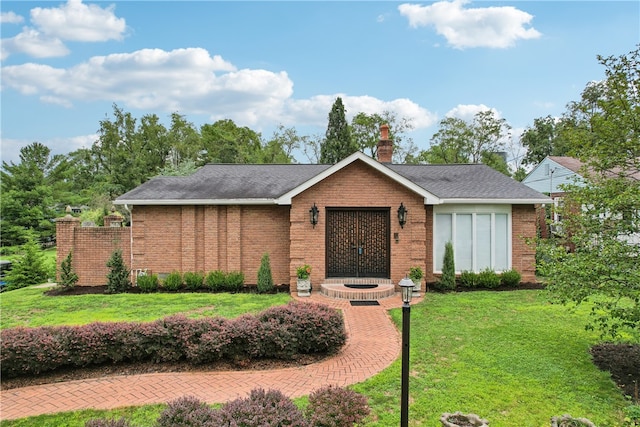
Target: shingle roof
{"points": [[224, 183], [465, 181]]}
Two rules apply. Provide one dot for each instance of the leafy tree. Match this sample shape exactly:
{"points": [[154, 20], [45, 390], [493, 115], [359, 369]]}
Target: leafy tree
{"points": [[28, 195], [480, 141], [365, 131], [118, 276], [68, 277], [30, 268], [184, 141], [602, 217], [338, 143], [225, 142], [543, 139], [265, 278]]}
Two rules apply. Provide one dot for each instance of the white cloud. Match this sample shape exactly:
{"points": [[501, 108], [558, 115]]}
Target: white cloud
{"points": [[79, 22], [494, 27], [10, 18], [35, 44], [73, 21], [193, 82], [467, 111]]}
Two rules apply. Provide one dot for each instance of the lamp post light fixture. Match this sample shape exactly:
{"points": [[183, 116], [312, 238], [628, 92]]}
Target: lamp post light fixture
{"points": [[313, 215], [402, 215], [406, 286]]}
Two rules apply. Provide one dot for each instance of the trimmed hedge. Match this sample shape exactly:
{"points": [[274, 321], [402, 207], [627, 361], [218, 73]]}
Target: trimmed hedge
{"points": [[279, 332]]}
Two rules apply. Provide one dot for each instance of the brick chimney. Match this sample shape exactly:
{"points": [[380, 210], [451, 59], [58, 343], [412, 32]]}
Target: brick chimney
{"points": [[385, 145]]}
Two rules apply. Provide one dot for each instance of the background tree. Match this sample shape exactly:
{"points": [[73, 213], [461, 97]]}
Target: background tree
{"points": [[225, 142], [483, 140], [30, 268], [602, 217], [544, 139], [27, 198], [338, 143], [365, 132]]}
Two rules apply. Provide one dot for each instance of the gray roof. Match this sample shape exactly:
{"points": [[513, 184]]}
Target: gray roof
{"points": [[264, 183]]}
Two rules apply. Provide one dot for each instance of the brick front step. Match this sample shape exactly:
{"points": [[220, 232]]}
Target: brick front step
{"points": [[340, 291]]}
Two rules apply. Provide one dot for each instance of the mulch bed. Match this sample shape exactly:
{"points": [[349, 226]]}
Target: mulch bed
{"points": [[97, 290], [623, 362]]}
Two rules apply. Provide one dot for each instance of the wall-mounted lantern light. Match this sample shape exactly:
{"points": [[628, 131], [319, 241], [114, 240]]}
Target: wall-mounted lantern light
{"points": [[402, 215], [313, 215]]}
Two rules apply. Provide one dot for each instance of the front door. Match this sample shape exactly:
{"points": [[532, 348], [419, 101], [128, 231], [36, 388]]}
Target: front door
{"points": [[358, 242]]}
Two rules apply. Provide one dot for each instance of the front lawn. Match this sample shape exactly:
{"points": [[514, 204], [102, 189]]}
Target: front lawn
{"points": [[510, 357], [30, 307]]}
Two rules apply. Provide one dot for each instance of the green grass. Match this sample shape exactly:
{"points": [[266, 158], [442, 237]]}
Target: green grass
{"points": [[30, 307], [509, 357]]}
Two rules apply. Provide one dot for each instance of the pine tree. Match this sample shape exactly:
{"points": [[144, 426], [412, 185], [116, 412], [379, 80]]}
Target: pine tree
{"points": [[448, 279], [338, 143], [118, 276], [265, 278], [68, 278], [29, 269]]}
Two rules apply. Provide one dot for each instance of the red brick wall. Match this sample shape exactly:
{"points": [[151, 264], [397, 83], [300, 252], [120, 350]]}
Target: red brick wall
{"points": [[357, 185], [92, 247], [206, 238], [523, 219]]}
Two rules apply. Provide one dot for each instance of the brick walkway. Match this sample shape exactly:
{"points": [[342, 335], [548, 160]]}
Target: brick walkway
{"points": [[373, 344]]}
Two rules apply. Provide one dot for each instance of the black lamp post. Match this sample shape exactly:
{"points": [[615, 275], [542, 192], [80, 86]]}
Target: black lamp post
{"points": [[406, 285]]}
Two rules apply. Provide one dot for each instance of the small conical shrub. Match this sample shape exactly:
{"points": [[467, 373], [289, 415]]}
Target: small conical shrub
{"points": [[68, 278], [448, 280], [265, 278], [118, 276]]}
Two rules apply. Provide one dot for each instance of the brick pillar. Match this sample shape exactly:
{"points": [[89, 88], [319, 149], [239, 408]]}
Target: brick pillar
{"points": [[65, 238], [112, 220]]}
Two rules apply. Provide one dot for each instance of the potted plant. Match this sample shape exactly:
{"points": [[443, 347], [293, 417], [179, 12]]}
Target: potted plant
{"points": [[304, 280], [416, 274], [459, 419]]}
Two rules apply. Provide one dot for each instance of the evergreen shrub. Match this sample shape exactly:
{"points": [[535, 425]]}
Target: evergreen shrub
{"points": [[193, 280], [173, 281], [265, 278], [488, 279], [469, 279], [118, 276], [215, 281], [148, 282], [510, 278]]}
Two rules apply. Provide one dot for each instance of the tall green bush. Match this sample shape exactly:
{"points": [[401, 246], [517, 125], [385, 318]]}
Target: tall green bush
{"points": [[118, 276], [29, 269], [68, 277], [265, 278], [448, 279], [193, 280], [173, 281]]}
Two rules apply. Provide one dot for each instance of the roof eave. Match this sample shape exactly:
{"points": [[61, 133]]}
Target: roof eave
{"points": [[465, 201], [176, 202]]}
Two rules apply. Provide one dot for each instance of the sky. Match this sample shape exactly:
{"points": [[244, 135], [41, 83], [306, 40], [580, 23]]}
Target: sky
{"points": [[268, 63]]}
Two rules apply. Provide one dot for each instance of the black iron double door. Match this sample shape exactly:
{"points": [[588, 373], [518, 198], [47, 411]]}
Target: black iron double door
{"points": [[358, 242]]}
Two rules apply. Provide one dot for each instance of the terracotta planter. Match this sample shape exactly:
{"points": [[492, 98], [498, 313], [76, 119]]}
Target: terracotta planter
{"points": [[304, 287], [459, 419]]}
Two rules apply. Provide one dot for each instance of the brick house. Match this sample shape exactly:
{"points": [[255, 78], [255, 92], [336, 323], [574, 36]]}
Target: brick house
{"points": [[343, 219]]}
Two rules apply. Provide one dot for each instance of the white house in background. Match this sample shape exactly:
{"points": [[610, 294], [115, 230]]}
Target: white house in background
{"points": [[552, 173], [548, 177]]}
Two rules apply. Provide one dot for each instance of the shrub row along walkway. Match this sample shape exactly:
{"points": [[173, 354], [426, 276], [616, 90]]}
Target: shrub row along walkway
{"points": [[373, 343]]}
